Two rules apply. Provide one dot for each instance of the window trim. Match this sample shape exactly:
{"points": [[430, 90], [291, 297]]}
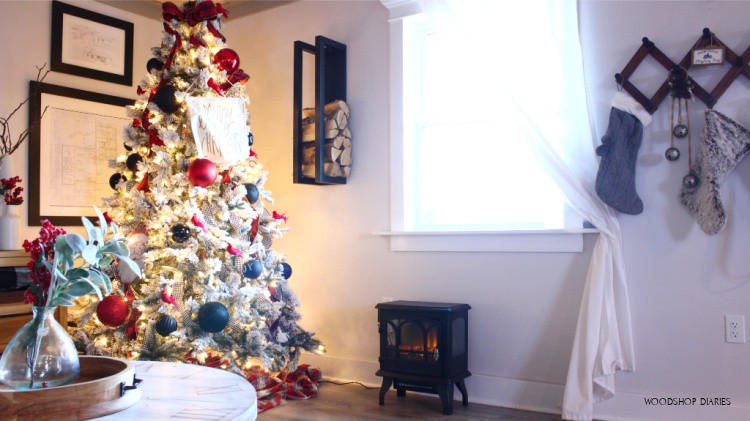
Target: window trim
{"points": [[536, 241]]}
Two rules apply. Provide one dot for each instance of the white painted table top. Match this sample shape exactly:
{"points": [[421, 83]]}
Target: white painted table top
{"points": [[173, 391]]}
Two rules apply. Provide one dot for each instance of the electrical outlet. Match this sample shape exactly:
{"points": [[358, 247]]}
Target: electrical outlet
{"points": [[734, 325]]}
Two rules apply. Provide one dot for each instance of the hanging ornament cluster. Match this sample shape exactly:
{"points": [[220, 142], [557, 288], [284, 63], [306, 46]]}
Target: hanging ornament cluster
{"points": [[113, 310], [680, 88]]}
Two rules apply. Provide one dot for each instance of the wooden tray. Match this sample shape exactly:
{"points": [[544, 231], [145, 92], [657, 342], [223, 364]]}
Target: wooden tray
{"points": [[103, 387]]}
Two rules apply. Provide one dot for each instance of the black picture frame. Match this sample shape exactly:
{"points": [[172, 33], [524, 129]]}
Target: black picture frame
{"points": [[37, 184], [103, 49]]}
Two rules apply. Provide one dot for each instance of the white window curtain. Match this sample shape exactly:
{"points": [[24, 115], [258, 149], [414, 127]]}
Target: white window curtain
{"points": [[532, 51]]}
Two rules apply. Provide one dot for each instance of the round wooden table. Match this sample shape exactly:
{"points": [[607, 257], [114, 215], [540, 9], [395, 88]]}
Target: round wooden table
{"points": [[187, 391]]}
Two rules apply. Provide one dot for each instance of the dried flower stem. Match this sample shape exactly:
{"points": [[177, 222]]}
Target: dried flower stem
{"points": [[7, 145]]}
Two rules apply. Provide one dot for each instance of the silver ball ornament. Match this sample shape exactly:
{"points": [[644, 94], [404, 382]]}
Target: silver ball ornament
{"points": [[680, 131], [672, 154], [690, 181]]}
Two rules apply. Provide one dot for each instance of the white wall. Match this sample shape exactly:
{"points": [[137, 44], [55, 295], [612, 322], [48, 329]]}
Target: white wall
{"points": [[524, 306]]}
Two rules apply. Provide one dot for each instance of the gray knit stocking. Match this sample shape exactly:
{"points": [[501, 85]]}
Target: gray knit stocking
{"points": [[615, 180], [723, 144]]}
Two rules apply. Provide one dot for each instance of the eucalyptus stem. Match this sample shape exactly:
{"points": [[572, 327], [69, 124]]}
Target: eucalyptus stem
{"points": [[36, 324], [39, 322]]}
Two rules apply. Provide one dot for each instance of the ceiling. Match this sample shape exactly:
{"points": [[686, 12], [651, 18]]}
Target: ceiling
{"points": [[237, 8]]}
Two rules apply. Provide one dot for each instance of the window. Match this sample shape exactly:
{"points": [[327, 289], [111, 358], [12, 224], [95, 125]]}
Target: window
{"points": [[463, 176]]}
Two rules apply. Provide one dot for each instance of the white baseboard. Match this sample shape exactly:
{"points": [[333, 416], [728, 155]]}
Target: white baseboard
{"points": [[539, 396]]}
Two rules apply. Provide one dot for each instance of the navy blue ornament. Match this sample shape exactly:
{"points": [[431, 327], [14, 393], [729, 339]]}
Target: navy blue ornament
{"points": [[252, 269], [252, 193], [133, 161], [287, 270], [213, 317], [165, 325], [116, 178], [165, 99], [154, 63], [180, 233], [250, 139]]}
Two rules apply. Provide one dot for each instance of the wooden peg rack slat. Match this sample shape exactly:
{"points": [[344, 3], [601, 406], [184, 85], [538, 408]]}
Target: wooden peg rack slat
{"points": [[738, 65]]}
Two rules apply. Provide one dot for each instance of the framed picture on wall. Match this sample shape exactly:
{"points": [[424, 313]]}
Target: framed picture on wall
{"points": [[69, 151], [92, 45]]}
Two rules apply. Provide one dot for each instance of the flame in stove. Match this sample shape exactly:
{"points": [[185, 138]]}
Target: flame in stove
{"points": [[431, 345], [415, 349]]}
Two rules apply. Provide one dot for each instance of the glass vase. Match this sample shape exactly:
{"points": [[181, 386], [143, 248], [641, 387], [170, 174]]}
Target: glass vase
{"points": [[41, 354]]}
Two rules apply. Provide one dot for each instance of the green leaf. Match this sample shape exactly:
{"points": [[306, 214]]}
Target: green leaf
{"points": [[80, 287], [131, 264], [105, 261], [89, 254], [63, 254], [77, 273], [62, 278], [106, 283], [101, 279], [60, 301], [95, 236], [102, 221], [76, 242], [117, 247], [87, 225], [114, 228]]}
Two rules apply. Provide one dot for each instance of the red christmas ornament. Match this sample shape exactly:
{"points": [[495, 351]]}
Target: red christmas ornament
{"points": [[228, 60], [202, 172], [113, 310]]}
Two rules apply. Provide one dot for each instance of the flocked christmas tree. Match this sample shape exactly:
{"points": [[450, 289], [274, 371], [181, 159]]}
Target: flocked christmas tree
{"points": [[189, 193]]}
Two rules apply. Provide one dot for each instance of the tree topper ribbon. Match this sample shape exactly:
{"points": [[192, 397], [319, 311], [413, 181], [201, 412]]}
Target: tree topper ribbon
{"points": [[194, 13]]}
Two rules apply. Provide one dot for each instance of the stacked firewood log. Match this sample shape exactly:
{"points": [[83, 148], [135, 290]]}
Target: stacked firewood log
{"points": [[337, 140]]}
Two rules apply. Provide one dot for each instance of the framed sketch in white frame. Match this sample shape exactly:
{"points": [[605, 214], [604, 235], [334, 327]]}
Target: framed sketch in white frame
{"points": [[70, 149], [92, 45]]}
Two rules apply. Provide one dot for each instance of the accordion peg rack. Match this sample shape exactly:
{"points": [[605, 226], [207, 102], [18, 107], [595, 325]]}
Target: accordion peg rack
{"points": [[738, 66]]}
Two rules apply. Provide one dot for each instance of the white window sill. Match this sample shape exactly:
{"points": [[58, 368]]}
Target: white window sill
{"points": [[541, 241]]}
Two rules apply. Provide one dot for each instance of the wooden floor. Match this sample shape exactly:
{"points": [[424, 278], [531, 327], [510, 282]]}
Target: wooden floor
{"points": [[353, 402]]}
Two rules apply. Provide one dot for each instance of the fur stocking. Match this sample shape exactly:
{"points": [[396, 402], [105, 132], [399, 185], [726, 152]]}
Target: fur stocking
{"points": [[723, 144]]}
